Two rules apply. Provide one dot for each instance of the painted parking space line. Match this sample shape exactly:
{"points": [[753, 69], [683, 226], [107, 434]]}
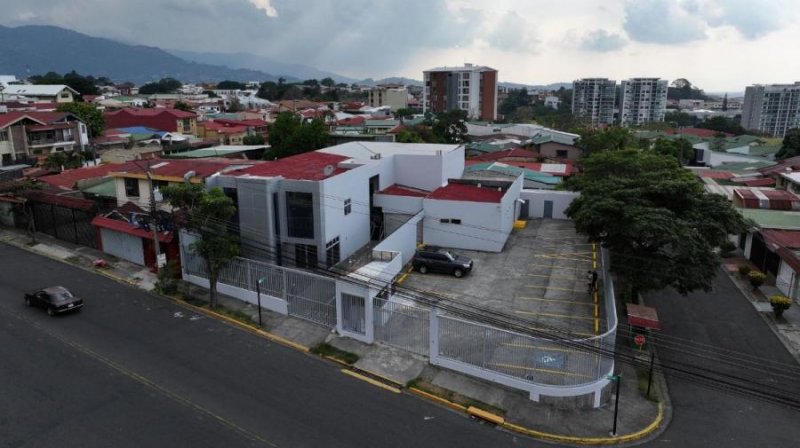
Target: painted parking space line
{"points": [[565, 301], [573, 278], [559, 316], [556, 288], [554, 266]]}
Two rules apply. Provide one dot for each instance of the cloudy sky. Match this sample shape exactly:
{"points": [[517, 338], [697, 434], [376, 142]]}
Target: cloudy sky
{"points": [[719, 45]]}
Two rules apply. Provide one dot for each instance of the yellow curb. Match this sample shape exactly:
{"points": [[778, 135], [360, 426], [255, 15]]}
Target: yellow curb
{"points": [[270, 336], [336, 360], [440, 400], [370, 381], [488, 416], [632, 437], [115, 277], [379, 376]]}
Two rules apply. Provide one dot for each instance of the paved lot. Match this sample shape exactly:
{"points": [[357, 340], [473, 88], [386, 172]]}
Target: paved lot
{"points": [[540, 276]]}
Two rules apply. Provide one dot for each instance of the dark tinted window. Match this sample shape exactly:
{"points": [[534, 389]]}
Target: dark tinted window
{"points": [[299, 215]]}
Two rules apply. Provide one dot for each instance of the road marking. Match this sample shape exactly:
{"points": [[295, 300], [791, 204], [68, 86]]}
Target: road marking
{"points": [[552, 266], [539, 369], [554, 287], [141, 379], [370, 381], [555, 276], [560, 316], [565, 301]]}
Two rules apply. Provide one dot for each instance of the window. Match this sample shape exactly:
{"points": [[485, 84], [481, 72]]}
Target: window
{"points": [[65, 95], [3, 136], [562, 153], [348, 207], [132, 187], [299, 215], [332, 252], [450, 221]]}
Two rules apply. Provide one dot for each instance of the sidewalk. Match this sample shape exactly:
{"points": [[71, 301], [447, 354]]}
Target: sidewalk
{"points": [[638, 419], [787, 329]]}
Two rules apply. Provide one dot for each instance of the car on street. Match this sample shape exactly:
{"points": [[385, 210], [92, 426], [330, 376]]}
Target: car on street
{"points": [[435, 259], [54, 299]]}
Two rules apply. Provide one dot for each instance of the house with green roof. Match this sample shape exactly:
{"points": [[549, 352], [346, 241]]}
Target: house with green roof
{"points": [[493, 170]]}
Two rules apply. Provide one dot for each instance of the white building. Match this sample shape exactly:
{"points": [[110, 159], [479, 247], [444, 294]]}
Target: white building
{"points": [[593, 100], [56, 93], [772, 108], [643, 100], [394, 97]]}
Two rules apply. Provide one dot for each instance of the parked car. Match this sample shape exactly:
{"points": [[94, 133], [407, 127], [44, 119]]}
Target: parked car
{"points": [[435, 259], [55, 299]]}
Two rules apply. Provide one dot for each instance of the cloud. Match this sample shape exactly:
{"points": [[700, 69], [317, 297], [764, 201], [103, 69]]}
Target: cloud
{"points": [[752, 20], [266, 6], [514, 34], [601, 41], [663, 22]]}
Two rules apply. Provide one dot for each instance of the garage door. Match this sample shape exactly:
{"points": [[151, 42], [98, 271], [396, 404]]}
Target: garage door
{"points": [[124, 246]]}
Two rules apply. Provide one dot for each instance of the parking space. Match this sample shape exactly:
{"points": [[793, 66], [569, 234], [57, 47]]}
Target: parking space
{"points": [[540, 277]]}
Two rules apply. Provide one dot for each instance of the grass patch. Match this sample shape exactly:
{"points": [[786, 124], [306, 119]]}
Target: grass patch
{"points": [[325, 349], [642, 375], [455, 397]]}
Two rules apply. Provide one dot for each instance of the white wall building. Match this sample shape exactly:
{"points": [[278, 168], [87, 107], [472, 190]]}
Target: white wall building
{"points": [[593, 100], [643, 100], [772, 108]]}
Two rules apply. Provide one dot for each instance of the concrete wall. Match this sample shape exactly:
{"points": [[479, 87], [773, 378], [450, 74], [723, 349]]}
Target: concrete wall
{"points": [[403, 240], [787, 280], [353, 228], [419, 171], [406, 205], [537, 198]]}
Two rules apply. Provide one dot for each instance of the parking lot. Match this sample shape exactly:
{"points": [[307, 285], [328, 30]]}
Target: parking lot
{"points": [[540, 277]]}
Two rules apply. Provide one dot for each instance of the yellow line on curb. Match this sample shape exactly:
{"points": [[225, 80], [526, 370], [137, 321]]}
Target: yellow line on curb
{"points": [[270, 336], [438, 399], [488, 416], [370, 381]]}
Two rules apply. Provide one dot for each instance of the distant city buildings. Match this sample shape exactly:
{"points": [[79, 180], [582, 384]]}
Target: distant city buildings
{"points": [[472, 88], [643, 100], [771, 108], [394, 96], [593, 100]]}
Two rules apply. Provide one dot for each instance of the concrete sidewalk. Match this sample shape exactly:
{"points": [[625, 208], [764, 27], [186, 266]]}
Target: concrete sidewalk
{"points": [[638, 419]]}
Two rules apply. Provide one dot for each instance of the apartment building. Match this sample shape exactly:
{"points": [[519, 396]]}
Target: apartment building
{"points": [[643, 100], [396, 97], [593, 100], [772, 108], [472, 88]]}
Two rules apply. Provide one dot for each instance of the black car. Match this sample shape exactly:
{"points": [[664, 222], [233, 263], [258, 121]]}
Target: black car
{"points": [[55, 299], [435, 259]]}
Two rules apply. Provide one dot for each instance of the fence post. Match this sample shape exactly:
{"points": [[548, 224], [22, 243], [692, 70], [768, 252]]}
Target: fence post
{"points": [[434, 335]]}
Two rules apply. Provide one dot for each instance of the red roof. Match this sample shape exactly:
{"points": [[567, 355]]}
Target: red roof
{"points": [[402, 190], [44, 118], [642, 316], [151, 112], [130, 229], [352, 121], [711, 174], [224, 128], [469, 193], [515, 152], [762, 182], [54, 199], [792, 163], [68, 178], [253, 122], [305, 166], [789, 239], [697, 132]]}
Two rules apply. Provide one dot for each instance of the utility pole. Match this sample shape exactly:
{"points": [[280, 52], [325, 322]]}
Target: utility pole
{"points": [[153, 214]]}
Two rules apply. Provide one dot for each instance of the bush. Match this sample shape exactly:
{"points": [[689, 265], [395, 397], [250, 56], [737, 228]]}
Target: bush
{"points": [[167, 282], [744, 269], [726, 249], [756, 278], [780, 303]]}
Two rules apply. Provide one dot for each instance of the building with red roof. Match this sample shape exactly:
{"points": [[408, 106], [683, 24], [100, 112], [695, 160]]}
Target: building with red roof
{"points": [[35, 134], [169, 120]]}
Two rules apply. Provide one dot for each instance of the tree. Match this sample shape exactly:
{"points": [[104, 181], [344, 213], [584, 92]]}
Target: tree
{"points": [[680, 119], [288, 135], [254, 140], [681, 149], [608, 139], [791, 144], [451, 126], [89, 114], [84, 85], [230, 85], [658, 222], [682, 89], [722, 124], [208, 215], [402, 113], [64, 160], [328, 82], [181, 105], [235, 105], [409, 136], [165, 85]]}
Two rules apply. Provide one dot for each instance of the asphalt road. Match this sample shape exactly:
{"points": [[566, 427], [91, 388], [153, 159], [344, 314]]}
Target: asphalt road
{"points": [[134, 370], [707, 417]]}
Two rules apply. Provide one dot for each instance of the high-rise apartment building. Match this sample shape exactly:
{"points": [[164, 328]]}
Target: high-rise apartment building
{"points": [[642, 100], [593, 100], [771, 108], [472, 88]]}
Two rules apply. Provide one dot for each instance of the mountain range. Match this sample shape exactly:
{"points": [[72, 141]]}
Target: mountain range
{"points": [[38, 49]]}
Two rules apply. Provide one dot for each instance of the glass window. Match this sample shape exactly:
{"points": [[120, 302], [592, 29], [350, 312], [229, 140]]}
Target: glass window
{"points": [[348, 206], [299, 214], [131, 187]]}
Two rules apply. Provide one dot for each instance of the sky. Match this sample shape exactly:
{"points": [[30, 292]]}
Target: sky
{"points": [[718, 45]]}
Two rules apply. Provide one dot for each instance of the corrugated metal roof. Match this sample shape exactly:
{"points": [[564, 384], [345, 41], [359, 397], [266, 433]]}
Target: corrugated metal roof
{"points": [[468, 193]]}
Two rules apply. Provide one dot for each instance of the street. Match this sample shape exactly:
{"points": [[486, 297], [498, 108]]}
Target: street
{"points": [[134, 370], [702, 417]]}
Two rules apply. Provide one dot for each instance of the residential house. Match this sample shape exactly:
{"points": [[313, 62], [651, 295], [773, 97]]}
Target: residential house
{"points": [[40, 93], [170, 120], [24, 135]]}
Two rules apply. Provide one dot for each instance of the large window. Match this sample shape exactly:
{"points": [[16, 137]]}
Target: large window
{"points": [[299, 215], [131, 187]]}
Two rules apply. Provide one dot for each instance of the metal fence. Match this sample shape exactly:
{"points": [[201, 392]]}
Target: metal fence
{"points": [[403, 326], [311, 297], [353, 314]]}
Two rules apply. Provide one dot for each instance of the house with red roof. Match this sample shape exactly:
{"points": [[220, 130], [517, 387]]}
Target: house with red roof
{"points": [[26, 135], [169, 120]]}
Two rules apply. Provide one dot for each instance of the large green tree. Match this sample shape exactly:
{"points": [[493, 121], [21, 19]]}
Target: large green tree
{"points": [[658, 222], [451, 126], [610, 138], [289, 135], [88, 113], [164, 85], [84, 85], [791, 144], [722, 124], [208, 215]]}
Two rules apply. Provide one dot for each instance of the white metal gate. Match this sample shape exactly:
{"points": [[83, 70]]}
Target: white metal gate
{"points": [[127, 247]]}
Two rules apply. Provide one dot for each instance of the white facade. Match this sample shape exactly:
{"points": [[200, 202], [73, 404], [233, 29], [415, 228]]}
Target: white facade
{"points": [[593, 100], [773, 108], [547, 204], [643, 100]]}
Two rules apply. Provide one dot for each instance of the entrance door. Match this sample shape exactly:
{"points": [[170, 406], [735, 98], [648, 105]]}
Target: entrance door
{"points": [[548, 209], [524, 209]]}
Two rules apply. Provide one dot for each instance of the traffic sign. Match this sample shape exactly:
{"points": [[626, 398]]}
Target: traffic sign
{"points": [[639, 340]]}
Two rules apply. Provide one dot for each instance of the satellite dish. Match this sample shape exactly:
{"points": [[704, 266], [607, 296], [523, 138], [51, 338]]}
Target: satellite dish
{"points": [[328, 170]]}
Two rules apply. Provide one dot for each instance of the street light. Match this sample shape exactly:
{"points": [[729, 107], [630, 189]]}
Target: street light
{"points": [[258, 295], [618, 380]]}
